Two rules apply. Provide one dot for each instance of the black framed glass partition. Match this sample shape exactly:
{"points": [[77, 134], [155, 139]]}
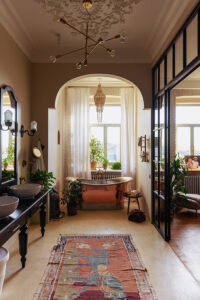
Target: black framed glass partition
{"points": [[180, 59]]}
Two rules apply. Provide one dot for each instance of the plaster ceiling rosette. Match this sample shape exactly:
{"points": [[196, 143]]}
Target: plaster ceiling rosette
{"points": [[102, 15]]}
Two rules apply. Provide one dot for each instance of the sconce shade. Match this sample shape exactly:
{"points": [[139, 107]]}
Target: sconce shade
{"points": [[8, 117], [99, 100], [33, 126]]}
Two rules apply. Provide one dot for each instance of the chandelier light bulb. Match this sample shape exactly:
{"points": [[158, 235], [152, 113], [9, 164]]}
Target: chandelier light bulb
{"points": [[78, 66], [112, 53], [87, 3], [53, 59], [122, 37]]}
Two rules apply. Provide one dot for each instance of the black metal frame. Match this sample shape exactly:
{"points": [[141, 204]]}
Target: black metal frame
{"points": [[187, 69], [5, 184]]}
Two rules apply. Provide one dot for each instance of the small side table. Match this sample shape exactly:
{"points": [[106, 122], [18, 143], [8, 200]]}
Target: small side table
{"points": [[135, 197]]}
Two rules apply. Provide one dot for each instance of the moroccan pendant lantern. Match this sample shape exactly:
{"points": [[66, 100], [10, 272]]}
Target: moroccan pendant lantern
{"points": [[99, 100]]}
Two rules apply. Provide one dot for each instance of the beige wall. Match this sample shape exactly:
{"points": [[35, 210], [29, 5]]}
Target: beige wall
{"points": [[49, 78], [15, 70], [143, 175]]}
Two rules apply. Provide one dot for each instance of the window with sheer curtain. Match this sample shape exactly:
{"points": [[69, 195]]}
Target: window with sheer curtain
{"points": [[109, 131], [188, 130]]}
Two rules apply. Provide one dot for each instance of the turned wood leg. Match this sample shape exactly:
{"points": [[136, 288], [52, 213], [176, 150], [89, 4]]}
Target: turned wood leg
{"points": [[138, 203], [128, 205], [43, 218], [23, 240]]}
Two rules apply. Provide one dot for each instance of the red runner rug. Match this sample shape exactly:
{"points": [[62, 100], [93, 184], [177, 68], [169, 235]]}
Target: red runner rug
{"points": [[96, 267]]}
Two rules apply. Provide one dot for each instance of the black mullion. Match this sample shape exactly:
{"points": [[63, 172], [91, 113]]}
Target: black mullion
{"points": [[166, 165], [158, 112], [198, 32], [153, 149], [1, 94], [173, 61], [184, 49]]}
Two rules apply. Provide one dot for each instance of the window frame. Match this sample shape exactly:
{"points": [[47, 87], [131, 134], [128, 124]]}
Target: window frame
{"points": [[105, 127]]}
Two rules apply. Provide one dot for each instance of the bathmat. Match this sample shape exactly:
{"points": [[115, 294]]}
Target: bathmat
{"points": [[99, 267]]}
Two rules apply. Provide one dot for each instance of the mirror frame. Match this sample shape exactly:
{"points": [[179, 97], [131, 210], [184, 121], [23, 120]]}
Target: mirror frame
{"points": [[9, 89]]}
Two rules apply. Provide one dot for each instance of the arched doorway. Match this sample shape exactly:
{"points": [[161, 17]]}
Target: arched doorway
{"points": [[111, 85]]}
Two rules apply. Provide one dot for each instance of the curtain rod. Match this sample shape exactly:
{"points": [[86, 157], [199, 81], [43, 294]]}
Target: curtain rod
{"points": [[71, 86]]}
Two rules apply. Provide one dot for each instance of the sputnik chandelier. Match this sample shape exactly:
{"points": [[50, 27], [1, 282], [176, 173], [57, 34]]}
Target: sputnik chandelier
{"points": [[88, 48]]}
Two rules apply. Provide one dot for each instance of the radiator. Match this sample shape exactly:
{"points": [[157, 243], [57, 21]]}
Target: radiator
{"points": [[192, 184], [105, 175]]}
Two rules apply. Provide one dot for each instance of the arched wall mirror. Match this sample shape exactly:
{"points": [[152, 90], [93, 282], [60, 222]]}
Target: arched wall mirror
{"points": [[8, 136]]}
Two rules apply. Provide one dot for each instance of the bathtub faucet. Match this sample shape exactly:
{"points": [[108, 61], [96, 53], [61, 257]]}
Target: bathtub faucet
{"points": [[101, 174]]}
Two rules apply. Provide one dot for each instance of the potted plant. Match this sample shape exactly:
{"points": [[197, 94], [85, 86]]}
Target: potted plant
{"points": [[177, 187], [105, 162], [96, 152], [11, 153], [72, 196], [46, 179], [116, 165], [5, 163], [7, 175]]}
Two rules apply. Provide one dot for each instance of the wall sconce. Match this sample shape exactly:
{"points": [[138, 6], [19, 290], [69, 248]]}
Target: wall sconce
{"points": [[142, 143], [29, 132], [9, 123], [8, 117]]}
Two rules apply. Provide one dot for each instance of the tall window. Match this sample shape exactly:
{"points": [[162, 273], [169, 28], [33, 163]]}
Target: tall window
{"points": [[107, 132], [188, 130]]}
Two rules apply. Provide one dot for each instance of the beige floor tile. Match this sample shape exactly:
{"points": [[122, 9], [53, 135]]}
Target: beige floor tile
{"points": [[167, 274]]}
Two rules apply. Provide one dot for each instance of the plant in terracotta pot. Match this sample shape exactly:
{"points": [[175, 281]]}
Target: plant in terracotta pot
{"points": [[105, 163], [46, 179], [96, 152], [72, 196], [5, 163]]}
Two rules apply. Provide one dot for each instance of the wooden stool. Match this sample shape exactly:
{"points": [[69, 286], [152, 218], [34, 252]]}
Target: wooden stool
{"points": [[136, 197]]}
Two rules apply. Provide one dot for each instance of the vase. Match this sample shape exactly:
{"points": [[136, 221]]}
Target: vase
{"points": [[93, 165]]}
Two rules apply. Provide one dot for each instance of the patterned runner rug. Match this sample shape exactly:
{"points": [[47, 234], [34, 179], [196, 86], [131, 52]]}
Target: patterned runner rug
{"points": [[96, 267]]}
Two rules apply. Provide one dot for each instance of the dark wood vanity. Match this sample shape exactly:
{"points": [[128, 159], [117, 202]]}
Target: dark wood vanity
{"points": [[18, 221]]}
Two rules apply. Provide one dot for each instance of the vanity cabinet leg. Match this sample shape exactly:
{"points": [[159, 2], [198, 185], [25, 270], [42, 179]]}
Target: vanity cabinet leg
{"points": [[23, 241], [43, 218]]}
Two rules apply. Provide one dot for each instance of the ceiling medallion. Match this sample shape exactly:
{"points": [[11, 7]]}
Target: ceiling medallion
{"points": [[90, 43], [103, 14]]}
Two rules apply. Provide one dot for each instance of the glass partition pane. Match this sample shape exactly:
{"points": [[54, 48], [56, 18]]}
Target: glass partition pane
{"points": [[156, 81], [183, 145], [169, 66], [196, 140], [192, 40], [179, 55], [162, 70]]}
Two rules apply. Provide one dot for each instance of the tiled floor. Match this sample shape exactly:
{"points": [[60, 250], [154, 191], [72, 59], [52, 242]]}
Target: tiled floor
{"points": [[168, 275], [185, 234]]}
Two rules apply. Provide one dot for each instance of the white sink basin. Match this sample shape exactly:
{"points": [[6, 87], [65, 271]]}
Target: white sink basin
{"points": [[8, 204], [26, 191]]}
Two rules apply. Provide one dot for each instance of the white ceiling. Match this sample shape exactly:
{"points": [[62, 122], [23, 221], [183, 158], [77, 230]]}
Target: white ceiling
{"points": [[147, 24]]}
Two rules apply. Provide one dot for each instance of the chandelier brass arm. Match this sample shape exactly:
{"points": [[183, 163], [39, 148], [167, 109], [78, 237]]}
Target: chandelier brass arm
{"points": [[63, 21]]}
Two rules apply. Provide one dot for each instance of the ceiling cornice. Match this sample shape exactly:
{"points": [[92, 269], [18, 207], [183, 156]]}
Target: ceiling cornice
{"points": [[172, 31], [16, 29]]}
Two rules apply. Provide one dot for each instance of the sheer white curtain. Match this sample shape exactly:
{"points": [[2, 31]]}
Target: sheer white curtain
{"points": [[77, 132], [128, 131]]}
